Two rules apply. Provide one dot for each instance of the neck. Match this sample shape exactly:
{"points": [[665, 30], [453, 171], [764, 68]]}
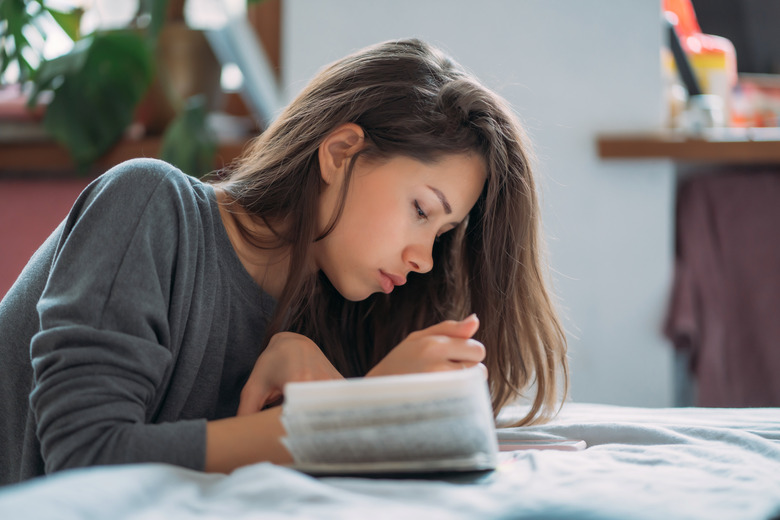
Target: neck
{"points": [[268, 267]]}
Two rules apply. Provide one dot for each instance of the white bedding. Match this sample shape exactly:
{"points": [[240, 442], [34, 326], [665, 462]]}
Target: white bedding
{"points": [[639, 464]]}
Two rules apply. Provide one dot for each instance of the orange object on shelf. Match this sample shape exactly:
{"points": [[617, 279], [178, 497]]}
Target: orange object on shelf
{"points": [[713, 58], [686, 22]]}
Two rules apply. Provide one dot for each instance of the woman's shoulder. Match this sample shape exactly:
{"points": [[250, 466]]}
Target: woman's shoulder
{"points": [[136, 183], [148, 172]]}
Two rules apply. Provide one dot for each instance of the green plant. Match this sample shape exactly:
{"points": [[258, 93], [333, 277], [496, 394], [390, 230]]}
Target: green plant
{"points": [[188, 143], [20, 17], [97, 86]]}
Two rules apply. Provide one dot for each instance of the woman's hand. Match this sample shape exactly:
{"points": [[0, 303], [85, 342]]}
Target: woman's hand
{"points": [[289, 357], [444, 346]]}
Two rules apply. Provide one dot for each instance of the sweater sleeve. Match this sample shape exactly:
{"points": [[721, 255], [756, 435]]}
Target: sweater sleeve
{"points": [[104, 351]]}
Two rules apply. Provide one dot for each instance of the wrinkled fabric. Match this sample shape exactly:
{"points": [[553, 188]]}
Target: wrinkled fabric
{"points": [[642, 464]]}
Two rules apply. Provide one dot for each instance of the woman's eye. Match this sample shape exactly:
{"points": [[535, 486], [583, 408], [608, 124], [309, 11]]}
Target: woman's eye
{"points": [[420, 212]]}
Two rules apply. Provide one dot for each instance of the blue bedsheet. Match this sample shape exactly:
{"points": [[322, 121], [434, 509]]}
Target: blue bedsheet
{"points": [[640, 464]]}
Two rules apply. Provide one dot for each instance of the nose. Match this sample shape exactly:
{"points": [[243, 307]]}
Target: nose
{"points": [[419, 257]]}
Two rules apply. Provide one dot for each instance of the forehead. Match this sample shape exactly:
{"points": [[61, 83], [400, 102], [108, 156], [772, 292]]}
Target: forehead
{"points": [[449, 169], [455, 176]]}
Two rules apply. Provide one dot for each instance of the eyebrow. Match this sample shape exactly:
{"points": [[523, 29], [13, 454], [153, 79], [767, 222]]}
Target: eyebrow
{"points": [[444, 202]]}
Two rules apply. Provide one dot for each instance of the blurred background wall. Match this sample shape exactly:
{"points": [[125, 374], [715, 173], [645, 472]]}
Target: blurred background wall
{"points": [[571, 70]]}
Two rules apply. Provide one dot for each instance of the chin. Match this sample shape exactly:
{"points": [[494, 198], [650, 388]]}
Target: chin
{"points": [[352, 294]]}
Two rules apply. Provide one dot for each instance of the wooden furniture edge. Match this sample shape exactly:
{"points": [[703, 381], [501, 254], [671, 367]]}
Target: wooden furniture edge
{"points": [[49, 159], [726, 148]]}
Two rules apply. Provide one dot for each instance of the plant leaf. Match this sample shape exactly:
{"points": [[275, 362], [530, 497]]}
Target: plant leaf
{"points": [[188, 142], [15, 17], [70, 21], [67, 64], [101, 85]]}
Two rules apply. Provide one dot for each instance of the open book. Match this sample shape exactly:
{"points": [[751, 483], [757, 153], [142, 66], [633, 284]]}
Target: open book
{"points": [[432, 422]]}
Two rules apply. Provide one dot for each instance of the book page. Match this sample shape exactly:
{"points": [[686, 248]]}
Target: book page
{"points": [[426, 422]]}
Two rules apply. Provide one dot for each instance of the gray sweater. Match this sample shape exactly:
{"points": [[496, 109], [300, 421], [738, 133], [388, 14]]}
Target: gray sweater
{"points": [[132, 325]]}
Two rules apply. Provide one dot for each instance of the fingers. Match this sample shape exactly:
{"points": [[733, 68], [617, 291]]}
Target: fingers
{"points": [[447, 353], [464, 328], [452, 340], [469, 351], [251, 401]]}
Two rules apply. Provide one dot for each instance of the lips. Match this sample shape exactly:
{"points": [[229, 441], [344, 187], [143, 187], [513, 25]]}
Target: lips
{"points": [[389, 281], [397, 280]]}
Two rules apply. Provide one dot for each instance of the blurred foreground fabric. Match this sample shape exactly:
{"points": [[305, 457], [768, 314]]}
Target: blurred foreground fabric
{"points": [[641, 463]]}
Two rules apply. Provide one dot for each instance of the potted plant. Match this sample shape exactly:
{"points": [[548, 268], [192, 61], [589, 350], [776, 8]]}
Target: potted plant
{"points": [[98, 86]]}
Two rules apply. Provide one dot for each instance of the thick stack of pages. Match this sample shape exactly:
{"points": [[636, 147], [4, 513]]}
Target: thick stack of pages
{"points": [[433, 422]]}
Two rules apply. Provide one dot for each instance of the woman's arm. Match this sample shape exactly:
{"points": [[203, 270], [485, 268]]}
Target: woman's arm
{"points": [[254, 435], [238, 441]]}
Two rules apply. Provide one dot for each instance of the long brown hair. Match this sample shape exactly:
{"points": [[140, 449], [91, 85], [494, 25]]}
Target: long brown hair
{"points": [[412, 100]]}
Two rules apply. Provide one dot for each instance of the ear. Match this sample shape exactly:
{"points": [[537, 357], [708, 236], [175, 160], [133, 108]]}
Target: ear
{"points": [[334, 152]]}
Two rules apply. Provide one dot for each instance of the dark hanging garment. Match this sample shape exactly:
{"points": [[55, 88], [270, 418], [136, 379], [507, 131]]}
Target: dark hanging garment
{"points": [[725, 303]]}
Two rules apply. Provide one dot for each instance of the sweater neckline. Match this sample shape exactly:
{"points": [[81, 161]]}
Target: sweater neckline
{"points": [[243, 281]]}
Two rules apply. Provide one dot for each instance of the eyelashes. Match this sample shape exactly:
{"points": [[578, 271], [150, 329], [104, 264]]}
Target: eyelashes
{"points": [[422, 216], [420, 213]]}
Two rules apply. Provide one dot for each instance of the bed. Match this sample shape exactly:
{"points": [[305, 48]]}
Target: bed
{"points": [[640, 463]]}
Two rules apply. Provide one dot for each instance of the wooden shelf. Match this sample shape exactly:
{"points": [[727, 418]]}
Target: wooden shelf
{"points": [[732, 145], [48, 159]]}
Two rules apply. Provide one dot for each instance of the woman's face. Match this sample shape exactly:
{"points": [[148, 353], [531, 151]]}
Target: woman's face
{"points": [[393, 212]]}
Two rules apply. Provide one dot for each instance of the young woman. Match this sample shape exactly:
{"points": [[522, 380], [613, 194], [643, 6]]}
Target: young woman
{"points": [[391, 199]]}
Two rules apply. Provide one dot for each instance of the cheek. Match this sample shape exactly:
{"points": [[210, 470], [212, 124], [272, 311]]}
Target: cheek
{"points": [[367, 231], [356, 234], [376, 218], [386, 224], [369, 215]]}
